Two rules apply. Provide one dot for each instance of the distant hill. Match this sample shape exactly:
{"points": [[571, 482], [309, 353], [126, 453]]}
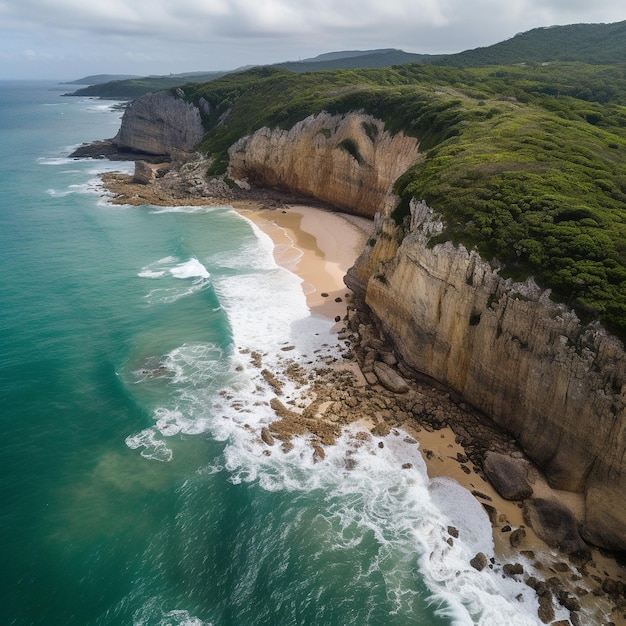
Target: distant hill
{"points": [[135, 87], [355, 59], [98, 79], [597, 44]]}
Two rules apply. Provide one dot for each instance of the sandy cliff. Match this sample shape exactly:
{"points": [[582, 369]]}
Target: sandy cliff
{"points": [[557, 386], [349, 161]]}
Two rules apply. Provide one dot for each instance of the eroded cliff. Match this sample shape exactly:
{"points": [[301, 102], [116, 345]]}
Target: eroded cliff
{"points": [[506, 348], [349, 161], [160, 124], [528, 363]]}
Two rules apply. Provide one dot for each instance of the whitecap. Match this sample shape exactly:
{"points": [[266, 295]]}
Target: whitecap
{"points": [[190, 269], [59, 194], [191, 209]]}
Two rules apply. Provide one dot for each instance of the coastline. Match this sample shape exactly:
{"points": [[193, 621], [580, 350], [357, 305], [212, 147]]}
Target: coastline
{"points": [[319, 246]]}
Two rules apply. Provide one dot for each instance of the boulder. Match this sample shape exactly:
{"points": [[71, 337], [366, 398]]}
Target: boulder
{"points": [[507, 475], [555, 524], [389, 378]]}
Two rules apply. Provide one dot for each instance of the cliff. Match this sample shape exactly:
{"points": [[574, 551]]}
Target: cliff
{"points": [[160, 124], [349, 161], [526, 362], [557, 386]]}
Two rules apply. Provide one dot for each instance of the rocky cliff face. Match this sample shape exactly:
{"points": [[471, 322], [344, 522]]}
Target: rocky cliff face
{"points": [[557, 386], [160, 124], [348, 161]]}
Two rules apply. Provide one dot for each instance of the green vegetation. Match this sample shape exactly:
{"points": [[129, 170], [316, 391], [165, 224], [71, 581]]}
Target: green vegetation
{"points": [[527, 164], [601, 44]]}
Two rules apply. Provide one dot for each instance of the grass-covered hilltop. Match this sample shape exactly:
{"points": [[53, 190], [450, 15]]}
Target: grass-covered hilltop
{"points": [[526, 162]]}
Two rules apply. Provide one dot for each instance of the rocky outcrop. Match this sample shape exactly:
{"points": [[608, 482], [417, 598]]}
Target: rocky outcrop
{"points": [[160, 124], [349, 161], [558, 387]]}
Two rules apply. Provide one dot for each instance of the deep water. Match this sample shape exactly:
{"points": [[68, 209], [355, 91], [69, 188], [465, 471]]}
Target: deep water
{"points": [[134, 485]]}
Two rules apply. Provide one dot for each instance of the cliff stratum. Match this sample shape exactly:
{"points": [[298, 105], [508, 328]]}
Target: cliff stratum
{"points": [[349, 161], [526, 362], [527, 180]]}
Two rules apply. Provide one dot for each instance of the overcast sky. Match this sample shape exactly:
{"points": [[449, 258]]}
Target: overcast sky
{"points": [[68, 39]]}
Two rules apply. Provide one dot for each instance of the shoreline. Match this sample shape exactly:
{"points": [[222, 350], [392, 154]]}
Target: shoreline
{"points": [[318, 246]]}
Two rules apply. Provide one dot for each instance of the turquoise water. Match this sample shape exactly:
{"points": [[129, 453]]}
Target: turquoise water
{"points": [[134, 485]]}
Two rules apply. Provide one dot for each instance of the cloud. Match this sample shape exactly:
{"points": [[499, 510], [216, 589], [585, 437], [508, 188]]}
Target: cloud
{"points": [[163, 36]]}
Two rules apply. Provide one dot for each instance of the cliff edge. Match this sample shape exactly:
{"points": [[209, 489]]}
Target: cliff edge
{"points": [[349, 161], [557, 386]]}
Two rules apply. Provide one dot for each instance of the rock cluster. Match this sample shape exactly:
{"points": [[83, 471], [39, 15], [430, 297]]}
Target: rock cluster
{"points": [[343, 395]]}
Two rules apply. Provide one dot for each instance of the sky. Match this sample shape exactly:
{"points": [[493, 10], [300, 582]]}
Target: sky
{"points": [[69, 39]]}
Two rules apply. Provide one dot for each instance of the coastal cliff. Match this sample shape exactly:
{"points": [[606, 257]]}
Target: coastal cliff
{"points": [[349, 161], [557, 386], [160, 124], [529, 364]]}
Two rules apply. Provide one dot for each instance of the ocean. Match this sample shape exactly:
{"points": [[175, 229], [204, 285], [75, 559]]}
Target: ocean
{"points": [[134, 485]]}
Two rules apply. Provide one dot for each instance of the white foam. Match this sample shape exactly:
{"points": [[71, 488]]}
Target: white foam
{"points": [[190, 269], [200, 209], [59, 194], [152, 613], [367, 490], [151, 274], [152, 446]]}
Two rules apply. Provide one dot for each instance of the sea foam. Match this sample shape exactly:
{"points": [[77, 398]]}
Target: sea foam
{"points": [[381, 492]]}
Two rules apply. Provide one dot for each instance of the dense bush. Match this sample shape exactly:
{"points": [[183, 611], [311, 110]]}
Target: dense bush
{"points": [[526, 163]]}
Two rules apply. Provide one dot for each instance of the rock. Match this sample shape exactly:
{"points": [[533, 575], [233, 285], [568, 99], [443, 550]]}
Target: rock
{"points": [[507, 475], [568, 601], [319, 453], [146, 173], [371, 378], [513, 569], [545, 612], [389, 378], [267, 437], [389, 358], [479, 562], [382, 429], [516, 538], [491, 512], [453, 532], [554, 523]]}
